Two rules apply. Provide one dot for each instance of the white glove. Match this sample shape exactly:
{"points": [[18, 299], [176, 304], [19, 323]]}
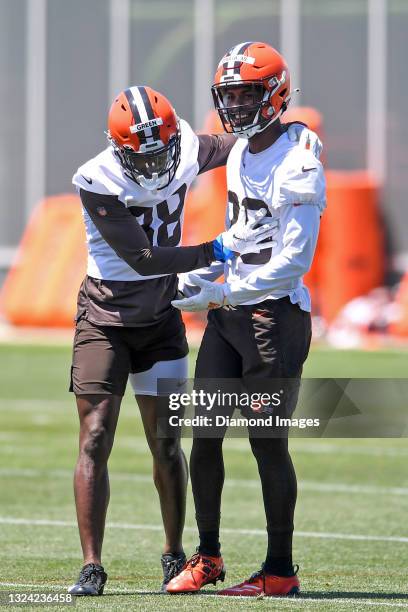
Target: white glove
{"points": [[306, 138], [243, 237], [188, 288], [212, 295]]}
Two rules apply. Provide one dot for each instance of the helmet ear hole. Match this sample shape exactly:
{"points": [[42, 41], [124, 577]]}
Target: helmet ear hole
{"points": [[123, 107], [283, 93]]}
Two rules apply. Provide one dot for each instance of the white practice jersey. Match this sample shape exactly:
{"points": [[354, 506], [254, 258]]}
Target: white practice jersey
{"points": [[288, 181], [160, 213]]}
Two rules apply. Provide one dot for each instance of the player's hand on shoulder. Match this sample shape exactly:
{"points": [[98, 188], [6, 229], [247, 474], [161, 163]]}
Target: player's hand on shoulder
{"points": [[297, 132], [248, 235]]}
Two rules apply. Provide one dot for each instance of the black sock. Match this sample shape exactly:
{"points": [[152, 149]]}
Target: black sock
{"points": [[207, 479], [279, 493], [278, 566], [209, 543]]}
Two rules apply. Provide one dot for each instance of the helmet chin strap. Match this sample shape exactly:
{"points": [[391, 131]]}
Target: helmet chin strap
{"points": [[151, 184], [256, 129]]}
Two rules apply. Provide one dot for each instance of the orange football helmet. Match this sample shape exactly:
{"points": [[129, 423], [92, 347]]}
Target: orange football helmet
{"points": [[144, 131], [251, 88]]}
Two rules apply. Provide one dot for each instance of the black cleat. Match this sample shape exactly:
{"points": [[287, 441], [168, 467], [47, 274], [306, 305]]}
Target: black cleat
{"points": [[91, 581], [172, 565]]}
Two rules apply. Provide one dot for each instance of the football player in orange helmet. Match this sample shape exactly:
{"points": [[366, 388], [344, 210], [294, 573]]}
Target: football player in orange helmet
{"points": [[148, 148], [262, 331], [251, 89], [133, 196]]}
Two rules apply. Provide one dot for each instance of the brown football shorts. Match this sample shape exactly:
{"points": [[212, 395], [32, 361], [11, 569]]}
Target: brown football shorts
{"points": [[104, 356]]}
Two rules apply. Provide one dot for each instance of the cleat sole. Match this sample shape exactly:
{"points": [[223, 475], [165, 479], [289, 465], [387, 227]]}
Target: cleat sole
{"points": [[100, 592]]}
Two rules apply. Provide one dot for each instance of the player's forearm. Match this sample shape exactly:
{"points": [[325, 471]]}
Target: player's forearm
{"points": [[283, 272], [167, 260], [285, 269], [149, 260]]}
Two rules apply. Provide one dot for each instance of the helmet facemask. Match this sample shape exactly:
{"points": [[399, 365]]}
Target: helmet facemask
{"points": [[245, 120], [151, 169]]}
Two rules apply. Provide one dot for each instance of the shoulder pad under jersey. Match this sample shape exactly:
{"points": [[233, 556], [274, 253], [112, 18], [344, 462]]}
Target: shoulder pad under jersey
{"points": [[299, 179]]}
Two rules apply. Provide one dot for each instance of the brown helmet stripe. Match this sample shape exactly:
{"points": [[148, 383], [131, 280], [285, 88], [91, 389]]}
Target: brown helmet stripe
{"points": [[235, 68], [237, 65], [150, 113]]}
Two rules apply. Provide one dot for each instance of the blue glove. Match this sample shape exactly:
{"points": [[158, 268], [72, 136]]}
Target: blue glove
{"points": [[220, 251], [246, 236]]}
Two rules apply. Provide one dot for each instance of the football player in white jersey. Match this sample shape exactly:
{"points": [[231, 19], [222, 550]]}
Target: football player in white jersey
{"points": [[133, 197], [259, 325]]}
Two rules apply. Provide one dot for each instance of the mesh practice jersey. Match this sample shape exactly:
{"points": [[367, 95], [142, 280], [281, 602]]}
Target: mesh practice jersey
{"points": [[288, 182]]}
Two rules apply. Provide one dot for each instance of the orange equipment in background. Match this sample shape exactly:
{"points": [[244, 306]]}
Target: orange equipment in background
{"points": [[350, 257], [42, 285], [306, 114]]}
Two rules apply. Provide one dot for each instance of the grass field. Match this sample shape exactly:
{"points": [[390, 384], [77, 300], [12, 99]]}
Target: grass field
{"points": [[351, 524]]}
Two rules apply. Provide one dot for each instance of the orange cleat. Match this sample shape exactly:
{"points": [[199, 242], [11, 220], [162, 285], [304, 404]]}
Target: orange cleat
{"points": [[198, 571], [261, 584]]}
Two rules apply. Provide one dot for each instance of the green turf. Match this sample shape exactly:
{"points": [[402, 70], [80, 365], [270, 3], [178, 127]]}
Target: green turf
{"points": [[354, 487]]}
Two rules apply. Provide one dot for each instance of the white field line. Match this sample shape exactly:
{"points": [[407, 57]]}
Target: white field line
{"points": [[304, 485], [34, 405], [138, 444], [252, 532], [33, 586], [282, 600], [325, 448]]}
